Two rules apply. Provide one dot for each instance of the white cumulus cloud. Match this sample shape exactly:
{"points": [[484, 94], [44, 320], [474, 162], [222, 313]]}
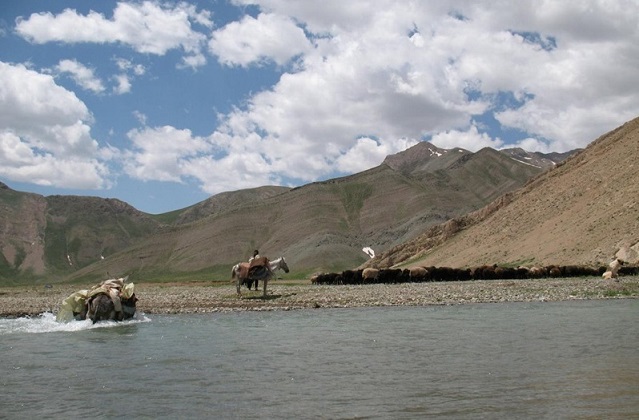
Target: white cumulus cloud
{"points": [[469, 139], [358, 80], [148, 27], [162, 153], [45, 134], [123, 84], [251, 40], [444, 71], [82, 75]]}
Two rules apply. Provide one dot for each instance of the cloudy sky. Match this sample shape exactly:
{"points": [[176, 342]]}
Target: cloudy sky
{"points": [[163, 104]]}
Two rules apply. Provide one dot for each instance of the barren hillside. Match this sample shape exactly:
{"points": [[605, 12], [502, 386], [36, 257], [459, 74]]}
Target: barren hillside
{"points": [[582, 212], [322, 226]]}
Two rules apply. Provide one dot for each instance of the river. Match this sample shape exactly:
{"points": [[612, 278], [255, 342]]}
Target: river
{"points": [[577, 359]]}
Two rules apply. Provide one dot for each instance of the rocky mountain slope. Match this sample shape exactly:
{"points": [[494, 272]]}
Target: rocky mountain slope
{"points": [[58, 234], [585, 211], [318, 227]]}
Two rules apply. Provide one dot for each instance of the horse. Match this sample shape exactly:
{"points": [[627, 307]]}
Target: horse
{"points": [[240, 273], [101, 308]]}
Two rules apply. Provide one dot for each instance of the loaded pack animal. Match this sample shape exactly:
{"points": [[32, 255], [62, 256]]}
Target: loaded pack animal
{"points": [[102, 308], [258, 269], [111, 300]]}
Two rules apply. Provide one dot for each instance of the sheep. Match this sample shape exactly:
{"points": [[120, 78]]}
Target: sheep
{"points": [[463, 274], [391, 276], [370, 275], [613, 270], [352, 277], [554, 271], [417, 274], [327, 278], [484, 272], [628, 270], [537, 272]]}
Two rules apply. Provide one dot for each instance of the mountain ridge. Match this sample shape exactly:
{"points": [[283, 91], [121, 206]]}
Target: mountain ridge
{"points": [[585, 211], [320, 226]]}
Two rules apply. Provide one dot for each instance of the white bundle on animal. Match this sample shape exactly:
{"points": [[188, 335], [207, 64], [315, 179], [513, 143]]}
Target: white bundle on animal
{"points": [[369, 251]]}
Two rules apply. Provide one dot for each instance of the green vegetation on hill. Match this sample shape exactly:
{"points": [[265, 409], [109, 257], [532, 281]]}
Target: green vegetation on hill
{"points": [[318, 227]]}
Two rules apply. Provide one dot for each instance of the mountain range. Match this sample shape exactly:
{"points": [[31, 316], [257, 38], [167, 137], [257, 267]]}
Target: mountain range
{"points": [[585, 212], [321, 226]]}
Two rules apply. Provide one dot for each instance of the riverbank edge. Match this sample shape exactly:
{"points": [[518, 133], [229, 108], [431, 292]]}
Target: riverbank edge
{"points": [[208, 297]]}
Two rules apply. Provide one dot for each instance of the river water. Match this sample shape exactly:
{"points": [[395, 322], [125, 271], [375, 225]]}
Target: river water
{"points": [[576, 359]]}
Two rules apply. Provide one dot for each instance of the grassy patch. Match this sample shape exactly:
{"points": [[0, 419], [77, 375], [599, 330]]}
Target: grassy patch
{"points": [[168, 218], [617, 292], [55, 250], [353, 197], [7, 270]]}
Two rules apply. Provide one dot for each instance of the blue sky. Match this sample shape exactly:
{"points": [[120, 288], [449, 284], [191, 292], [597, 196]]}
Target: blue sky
{"points": [[164, 104]]}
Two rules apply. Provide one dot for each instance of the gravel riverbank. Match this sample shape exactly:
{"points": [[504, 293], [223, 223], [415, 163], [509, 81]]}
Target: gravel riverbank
{"points": [[177, 298]]}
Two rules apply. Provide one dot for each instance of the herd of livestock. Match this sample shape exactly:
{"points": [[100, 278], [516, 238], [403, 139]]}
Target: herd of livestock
{"points": [[486, 272], [114, 299]]}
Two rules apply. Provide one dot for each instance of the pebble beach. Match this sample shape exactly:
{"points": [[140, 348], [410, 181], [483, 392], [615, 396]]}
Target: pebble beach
{"points": [[207, 297]]}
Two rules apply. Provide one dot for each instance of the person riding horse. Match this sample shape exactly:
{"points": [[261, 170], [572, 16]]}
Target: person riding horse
{"points": [[249, 282], [258, 268]]}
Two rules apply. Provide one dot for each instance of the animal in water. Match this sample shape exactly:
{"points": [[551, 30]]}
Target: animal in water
{"points": [[242, 273], [112, 299], [101, 308]]}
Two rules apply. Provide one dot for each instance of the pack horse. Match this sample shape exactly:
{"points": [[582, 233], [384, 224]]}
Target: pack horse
{"points": [[111, 300], [256, 270]]}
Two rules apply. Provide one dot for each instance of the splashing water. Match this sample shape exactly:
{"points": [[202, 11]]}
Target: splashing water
{"points": [[46, 322]]}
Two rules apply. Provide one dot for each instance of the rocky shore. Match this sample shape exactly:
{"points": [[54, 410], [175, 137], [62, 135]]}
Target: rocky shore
{"points": [[181, 298]]}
